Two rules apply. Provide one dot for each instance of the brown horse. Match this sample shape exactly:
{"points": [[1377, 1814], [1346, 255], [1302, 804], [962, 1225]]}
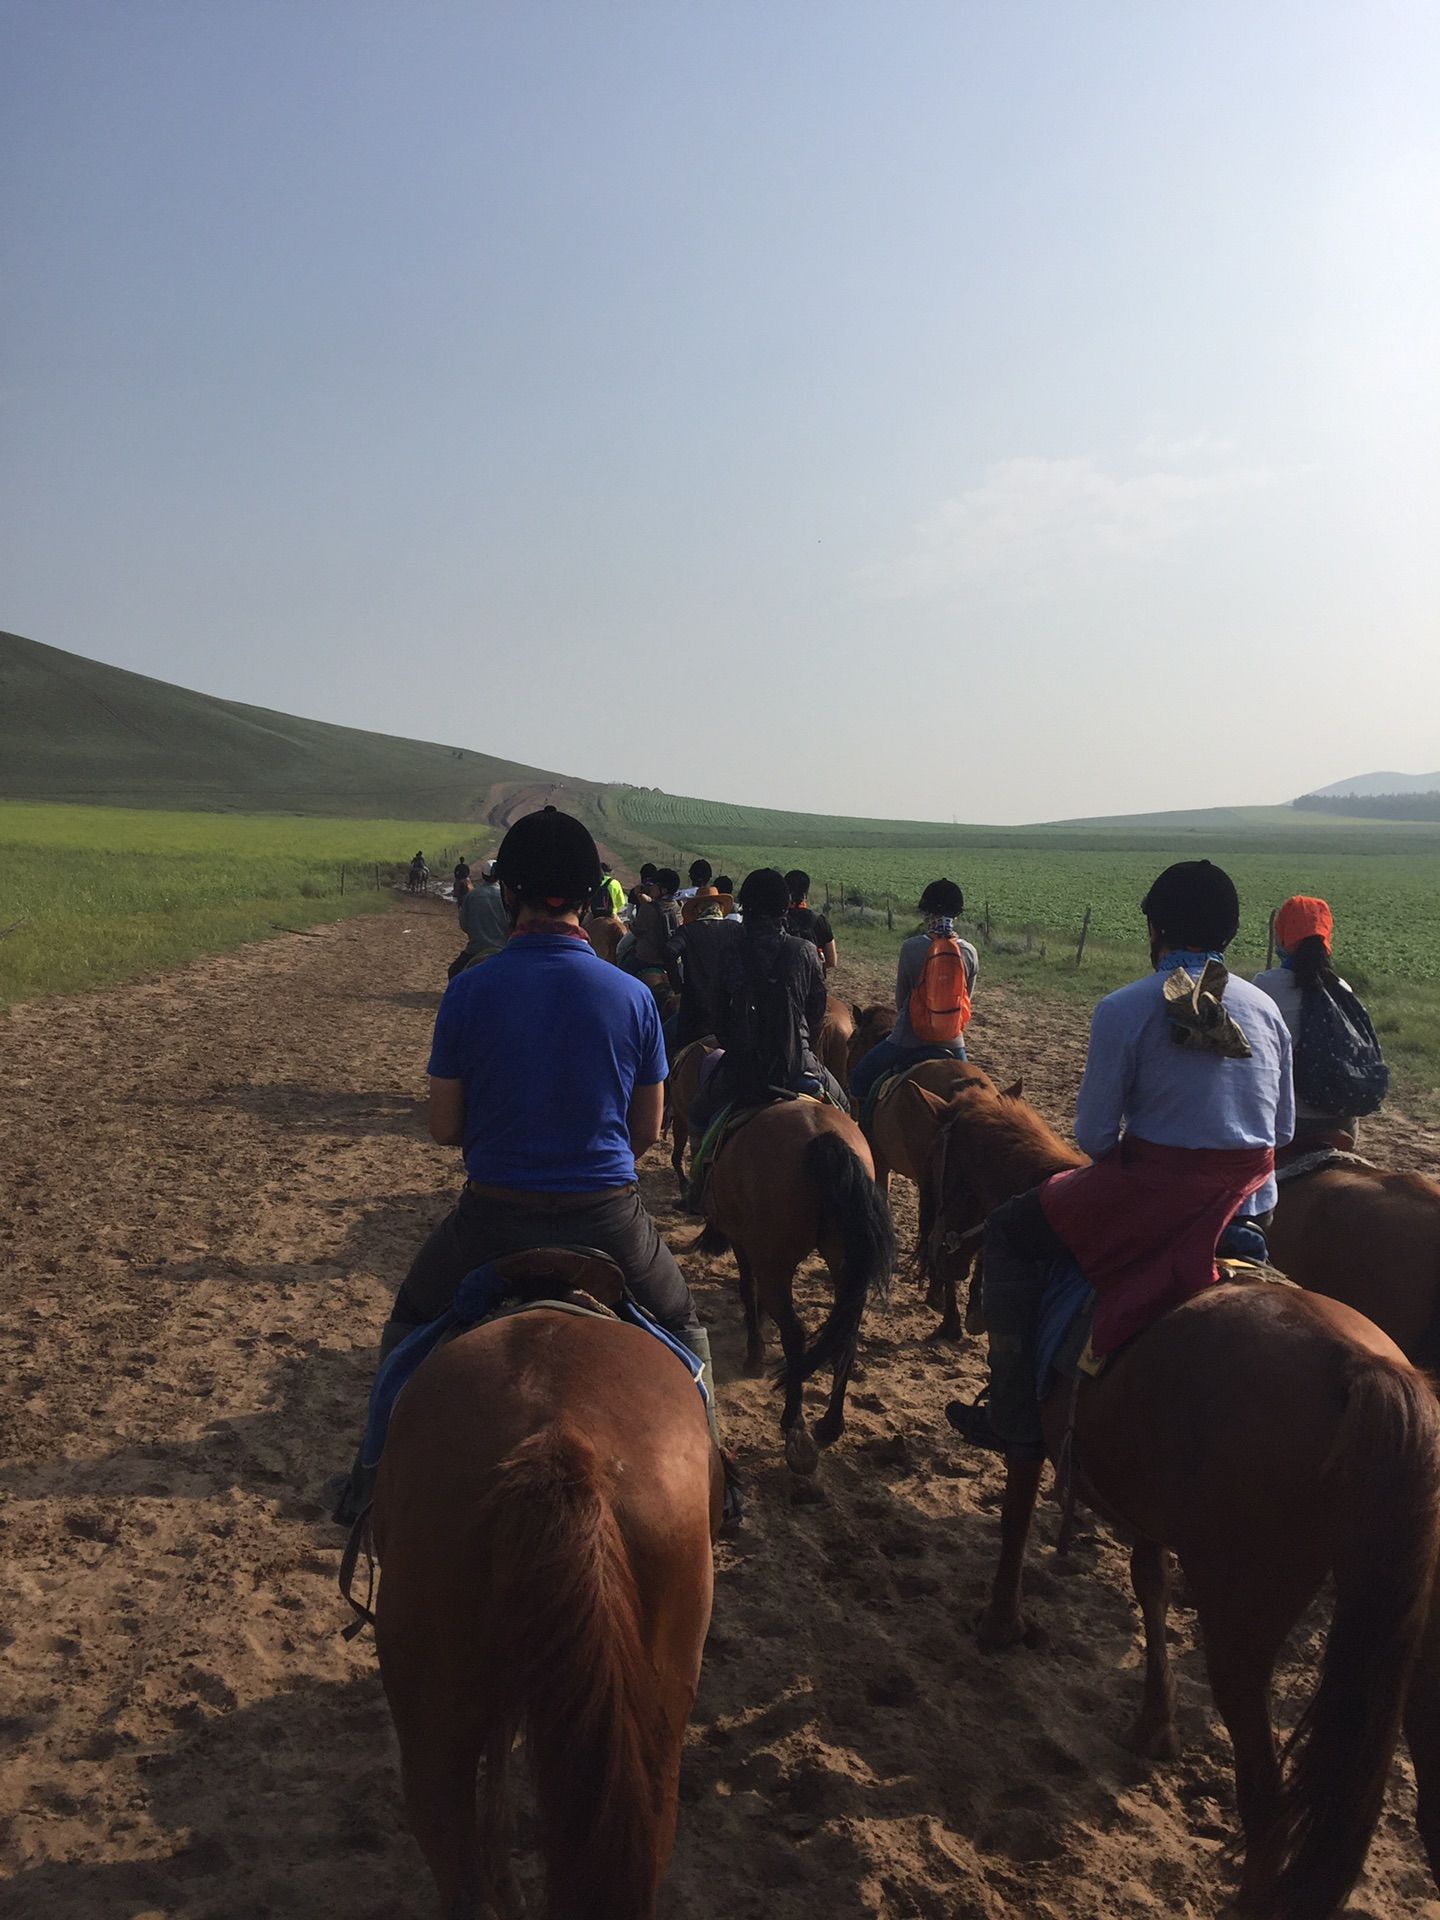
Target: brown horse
{"points": [[680, 1091], [832, 1043], [795, 1178], [1371, 1239], [1270, 1437], [902, 1131], [546, 1504]]}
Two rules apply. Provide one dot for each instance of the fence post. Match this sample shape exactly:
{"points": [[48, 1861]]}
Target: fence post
{"points": [[987, 929], [377, 876], [889, 914], [342, 883], [1270, 943], [1084, 930]]}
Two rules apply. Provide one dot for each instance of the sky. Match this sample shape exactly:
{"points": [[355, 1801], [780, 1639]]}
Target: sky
{"points": [[948, 410]]}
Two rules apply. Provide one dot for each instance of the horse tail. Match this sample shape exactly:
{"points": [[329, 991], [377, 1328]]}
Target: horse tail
{"points": [[579, 1677], [1384, 1471], [851, 1203]]}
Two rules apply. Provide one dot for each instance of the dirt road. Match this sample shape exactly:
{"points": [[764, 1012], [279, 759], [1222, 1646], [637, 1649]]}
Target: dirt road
{"points": [[215, 1181]]}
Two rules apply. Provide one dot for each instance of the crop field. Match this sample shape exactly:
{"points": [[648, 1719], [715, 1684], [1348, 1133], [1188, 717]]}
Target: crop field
{"points": [[93, 895]]}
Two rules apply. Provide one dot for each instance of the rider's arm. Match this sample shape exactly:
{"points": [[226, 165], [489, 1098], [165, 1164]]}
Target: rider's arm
{"points": [[1285, 1105], [1100, 1103], [647, 1112], [447, 1112], [828, 955]]}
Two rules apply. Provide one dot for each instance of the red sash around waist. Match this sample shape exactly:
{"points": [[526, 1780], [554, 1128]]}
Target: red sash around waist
{"points": [[1143, 1224]]}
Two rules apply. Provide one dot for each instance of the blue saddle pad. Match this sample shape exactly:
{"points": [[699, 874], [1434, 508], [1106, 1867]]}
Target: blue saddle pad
{"points": [[1067, 1295], [479, 1294]]}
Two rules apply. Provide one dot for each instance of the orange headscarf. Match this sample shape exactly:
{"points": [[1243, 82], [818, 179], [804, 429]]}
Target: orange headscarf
{"points": [[1299, 918]]}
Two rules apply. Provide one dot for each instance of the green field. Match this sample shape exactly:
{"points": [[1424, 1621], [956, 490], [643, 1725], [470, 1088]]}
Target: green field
{"points": [[95, 895]]}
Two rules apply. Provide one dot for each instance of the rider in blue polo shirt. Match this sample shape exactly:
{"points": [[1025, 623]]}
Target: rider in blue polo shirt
{"points": [[548, 1069]]}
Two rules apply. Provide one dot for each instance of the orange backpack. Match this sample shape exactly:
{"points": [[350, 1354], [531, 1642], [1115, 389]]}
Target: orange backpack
{"points": [[939, 1007]]}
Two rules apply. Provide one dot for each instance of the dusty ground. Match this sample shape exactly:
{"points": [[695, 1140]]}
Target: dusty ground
{"points": [[214, 1182]]}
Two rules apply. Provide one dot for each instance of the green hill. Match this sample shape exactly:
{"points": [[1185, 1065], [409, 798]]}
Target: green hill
{"points": [[72, 729]]}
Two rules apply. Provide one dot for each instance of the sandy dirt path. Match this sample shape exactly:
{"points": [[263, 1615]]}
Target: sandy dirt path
{"points": [[213, 1182]]}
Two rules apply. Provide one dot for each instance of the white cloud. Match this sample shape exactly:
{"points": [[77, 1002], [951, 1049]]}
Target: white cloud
{"points": [[1032, 521]]}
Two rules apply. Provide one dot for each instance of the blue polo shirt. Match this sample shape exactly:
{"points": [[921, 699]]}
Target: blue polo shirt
{"points": [[550, 1044]]}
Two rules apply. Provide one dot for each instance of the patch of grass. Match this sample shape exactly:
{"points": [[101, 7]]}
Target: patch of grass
{"points": [[102, 894]]}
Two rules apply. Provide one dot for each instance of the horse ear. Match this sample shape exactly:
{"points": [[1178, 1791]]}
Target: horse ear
{"points": [[1013, 1092], [857, 1009], [938, 1107]]}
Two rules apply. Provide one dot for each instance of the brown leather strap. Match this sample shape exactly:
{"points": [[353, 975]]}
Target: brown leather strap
{"points": [[536, 1202]]}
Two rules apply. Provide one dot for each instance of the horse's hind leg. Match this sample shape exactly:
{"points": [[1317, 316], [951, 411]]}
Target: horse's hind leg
{"points": [[497, 1817], [438, 1764], [1241, 1648], [802, 1456], [750, 1301], [1153, 1734], [831, 1423], [681, 1139], [1422, 1736]]}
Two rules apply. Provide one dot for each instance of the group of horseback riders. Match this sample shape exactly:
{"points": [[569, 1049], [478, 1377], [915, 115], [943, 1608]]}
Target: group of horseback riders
{"points": [[548, 1072]]}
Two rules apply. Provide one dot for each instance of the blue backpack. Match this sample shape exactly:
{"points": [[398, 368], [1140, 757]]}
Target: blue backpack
{"points": [[1338, 1064]]}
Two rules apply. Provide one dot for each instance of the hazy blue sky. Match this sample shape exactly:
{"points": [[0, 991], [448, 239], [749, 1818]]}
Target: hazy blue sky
{"points": [[1006, 411]]}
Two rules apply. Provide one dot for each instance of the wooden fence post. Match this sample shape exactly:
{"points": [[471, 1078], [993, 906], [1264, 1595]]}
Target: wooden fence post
{"points": [[889, 914], [342, 883], [377, 876], [987, 927], [1270, 944], [1084, 931]]}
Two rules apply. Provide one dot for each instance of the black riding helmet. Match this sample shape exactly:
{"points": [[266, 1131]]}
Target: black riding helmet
{"points": [[765, 892], [943, 896], [1194, 904], [550, 857]]}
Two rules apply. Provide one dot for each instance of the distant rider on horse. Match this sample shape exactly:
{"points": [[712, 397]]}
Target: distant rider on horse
{"points": [[1185, 1097], [768, 1006], [548, 1071], [941, 905]]}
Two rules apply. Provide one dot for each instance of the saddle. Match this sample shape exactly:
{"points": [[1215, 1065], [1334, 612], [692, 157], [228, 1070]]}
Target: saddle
{"points": [[577, 1280], [1315, 1155]]}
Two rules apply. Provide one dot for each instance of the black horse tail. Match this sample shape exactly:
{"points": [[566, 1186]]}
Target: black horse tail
{"points": [[852, 1205], [1384, 1472]]}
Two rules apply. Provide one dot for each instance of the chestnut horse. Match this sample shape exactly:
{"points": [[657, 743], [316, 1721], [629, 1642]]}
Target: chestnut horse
{"points": [[546, 1504], [1270, 1437], [901, 1133], [1371, 1239], [680, 1090], [832, 1043], [795, 1178]]}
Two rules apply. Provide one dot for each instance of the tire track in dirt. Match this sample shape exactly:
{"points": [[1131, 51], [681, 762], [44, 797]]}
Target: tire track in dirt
{"points": [[217, 1179]]}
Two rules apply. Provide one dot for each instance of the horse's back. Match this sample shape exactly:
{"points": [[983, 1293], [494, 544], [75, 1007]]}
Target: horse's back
{"points": [[1243, 1387], [1369, 1239], [478, 1399]]}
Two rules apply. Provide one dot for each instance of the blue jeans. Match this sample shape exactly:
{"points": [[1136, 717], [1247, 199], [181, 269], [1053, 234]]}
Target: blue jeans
{"points": [[890, 1057]]}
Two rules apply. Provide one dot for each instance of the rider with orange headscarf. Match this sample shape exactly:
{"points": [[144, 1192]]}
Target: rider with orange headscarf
{"points": [[1339, 1071]]}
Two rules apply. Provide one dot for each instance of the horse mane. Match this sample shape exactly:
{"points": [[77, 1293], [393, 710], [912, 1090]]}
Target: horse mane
{"points": [[1007, 1146]]}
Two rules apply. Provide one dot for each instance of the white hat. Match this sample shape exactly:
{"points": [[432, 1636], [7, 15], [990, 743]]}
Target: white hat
{"points": [[487, 871]]}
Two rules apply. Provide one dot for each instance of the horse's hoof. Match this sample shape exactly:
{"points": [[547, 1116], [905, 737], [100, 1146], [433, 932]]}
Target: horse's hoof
{"points": [[801, 1453], [806, 1493], [997, 1633], [754, 1365], [951, 1330], [828, 1431], [1152, 1743]]}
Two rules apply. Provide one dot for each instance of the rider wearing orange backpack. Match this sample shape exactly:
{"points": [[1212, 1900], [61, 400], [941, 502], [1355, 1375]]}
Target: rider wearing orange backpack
{"points": [[933, 985]]}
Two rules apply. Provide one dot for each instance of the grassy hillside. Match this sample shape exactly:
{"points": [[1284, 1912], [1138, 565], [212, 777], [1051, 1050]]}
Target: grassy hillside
{"points": [[74, 730]]}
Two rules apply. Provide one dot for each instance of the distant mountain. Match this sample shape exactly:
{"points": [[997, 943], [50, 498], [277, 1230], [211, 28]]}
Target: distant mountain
{"points": [[1365, 785]]}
